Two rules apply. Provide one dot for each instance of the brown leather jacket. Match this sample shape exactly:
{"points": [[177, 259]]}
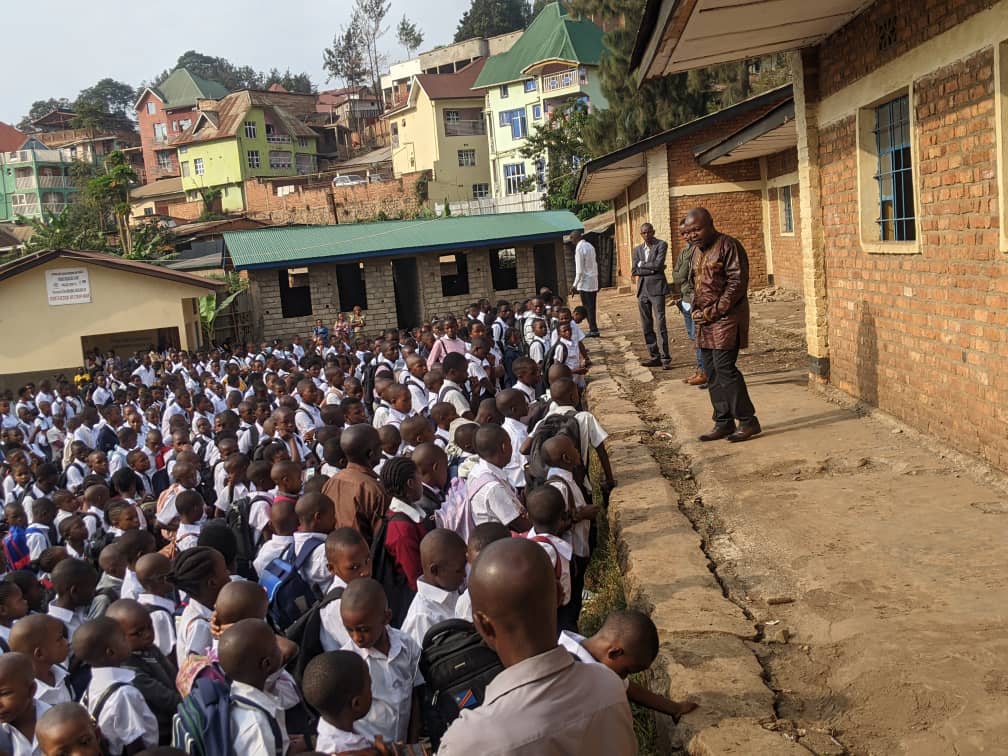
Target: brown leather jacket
{"points": [[720, 276]]}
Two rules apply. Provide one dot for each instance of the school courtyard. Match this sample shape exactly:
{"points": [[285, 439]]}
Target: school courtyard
{"points": [[835, 585]]}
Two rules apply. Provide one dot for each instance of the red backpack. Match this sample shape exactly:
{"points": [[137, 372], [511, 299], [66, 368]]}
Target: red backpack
{"points": [[15, 549]]}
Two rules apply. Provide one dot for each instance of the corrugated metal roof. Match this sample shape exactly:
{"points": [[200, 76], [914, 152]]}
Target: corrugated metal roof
{"points": [[229, 114], [287, 246], [552, 36]]}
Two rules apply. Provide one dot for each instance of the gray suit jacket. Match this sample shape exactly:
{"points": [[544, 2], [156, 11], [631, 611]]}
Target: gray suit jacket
{"points": [[650, 274]]}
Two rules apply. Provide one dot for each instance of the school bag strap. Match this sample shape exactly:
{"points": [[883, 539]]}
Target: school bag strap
{"points": [[569, 499], [274, 727], [557, 566], [102, 699]]}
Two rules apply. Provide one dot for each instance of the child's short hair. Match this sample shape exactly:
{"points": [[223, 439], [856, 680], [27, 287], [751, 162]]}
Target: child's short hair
{"points": [[72, 572], [188, 503], [43, 508], [545, 505], [635, 629], [217, 535], [331, 680], [486, 533], [91, 639]]}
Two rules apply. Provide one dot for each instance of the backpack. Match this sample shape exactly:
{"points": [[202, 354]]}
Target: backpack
{"points": [[290, 594], [552, 425], [15, 549], [385, 570], [367, 384], [202, 723], [102, 699], [455, 512], [306, 633], [549, 359], [61, 481], [237, 519], [457, 666]]}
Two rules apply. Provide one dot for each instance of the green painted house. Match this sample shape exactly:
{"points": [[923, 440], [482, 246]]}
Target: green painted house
{"points": [[554, 62], [34, 179], [241, 136]]}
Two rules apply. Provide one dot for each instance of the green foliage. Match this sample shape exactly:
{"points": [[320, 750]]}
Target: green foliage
{"points": [[40, 108], [109, 97], [210, 308], [209, 195], [421, 186], [149, 242], [409, 35], [70, 229], [344, 61], [487, 18], [235, 77], [559, 141], [111, 190]]}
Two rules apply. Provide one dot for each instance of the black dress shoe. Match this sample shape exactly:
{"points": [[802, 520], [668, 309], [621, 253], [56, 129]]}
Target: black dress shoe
{"points": [[718, 432], [667, 365], [651, 363], [745, 432], [592, 334]]}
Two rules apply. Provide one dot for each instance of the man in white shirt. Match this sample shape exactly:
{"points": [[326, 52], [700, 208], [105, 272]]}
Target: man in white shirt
{"points": [[586, 279]]}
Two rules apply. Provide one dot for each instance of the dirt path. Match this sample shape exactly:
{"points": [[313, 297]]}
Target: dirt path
{"points": [[873, 569]]}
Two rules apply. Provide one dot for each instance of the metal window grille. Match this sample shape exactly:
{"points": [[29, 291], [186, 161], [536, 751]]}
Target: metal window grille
{"points": [[896, 221], [787, 211]]}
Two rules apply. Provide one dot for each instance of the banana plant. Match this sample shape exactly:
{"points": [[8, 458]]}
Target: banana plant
{"points": [[209, 309]]}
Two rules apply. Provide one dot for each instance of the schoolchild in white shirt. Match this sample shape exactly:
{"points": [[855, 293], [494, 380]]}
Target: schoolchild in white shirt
{"points": [[75, 581], [199, 572], [348, 558], [547, 512], [490, 493], [443, 558], [43, 640], [316, 515], [337, 684], [481, 535], [21, 710], [158, 596]]}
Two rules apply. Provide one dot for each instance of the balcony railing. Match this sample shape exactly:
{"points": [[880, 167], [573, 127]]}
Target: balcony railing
{"points": [[55, 182], [41, 156], [32, 208], [278, 139], [465, 128], [55, 207], [25, 182], [572, 77]]}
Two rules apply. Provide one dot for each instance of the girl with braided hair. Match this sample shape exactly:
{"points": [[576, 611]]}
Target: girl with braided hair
{"points": [[407, 522], [200, 573]]}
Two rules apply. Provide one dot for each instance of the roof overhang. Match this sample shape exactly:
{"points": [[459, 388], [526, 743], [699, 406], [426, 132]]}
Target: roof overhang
{"points": [[151, 90], [774, 132], [605, 180], [680, 35], [540, 64]]}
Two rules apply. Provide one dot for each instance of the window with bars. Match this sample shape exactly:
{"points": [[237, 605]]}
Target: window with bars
{"points": [[514, 177], [250, 129], [480, 191], [452, 116], [787, 211], [198, 166], [466, 158], [894, 176], [253, 159], [164, 160]]}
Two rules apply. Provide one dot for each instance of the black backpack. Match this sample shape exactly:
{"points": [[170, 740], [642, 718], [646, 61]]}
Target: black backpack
{"points": [[552, 425], [385, 570], [457, 666], [237, 519], [549, 359], [307, 631], [61, 481], [367, 384]]}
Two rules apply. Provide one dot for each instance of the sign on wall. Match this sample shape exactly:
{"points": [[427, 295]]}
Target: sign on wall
{"points": [[66, 286]]}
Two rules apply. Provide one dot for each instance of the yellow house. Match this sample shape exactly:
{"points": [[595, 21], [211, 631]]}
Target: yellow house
{"points": [[441, 128], [59, 304]]}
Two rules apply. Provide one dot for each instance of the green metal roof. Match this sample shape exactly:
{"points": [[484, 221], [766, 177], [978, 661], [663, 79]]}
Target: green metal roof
{"points": [[183, 87], [287, 246], [552, 35]]}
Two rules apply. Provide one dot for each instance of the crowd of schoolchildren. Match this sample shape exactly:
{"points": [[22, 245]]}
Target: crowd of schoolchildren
{"points": [[265, 550]]}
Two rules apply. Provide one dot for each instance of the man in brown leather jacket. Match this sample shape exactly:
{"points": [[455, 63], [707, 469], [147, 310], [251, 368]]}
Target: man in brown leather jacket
{"points": [[720, 277]]}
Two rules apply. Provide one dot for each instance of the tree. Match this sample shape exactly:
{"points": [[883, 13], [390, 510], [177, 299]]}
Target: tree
{"points": [[149, 241], [69, 229], [369, 17], [40, 108], [113, 188], [292, 82], [109, 96], [90, 116], [209, 309], [234, 77], [409, 36], [559, 142], [344, 61], [487, 18]]}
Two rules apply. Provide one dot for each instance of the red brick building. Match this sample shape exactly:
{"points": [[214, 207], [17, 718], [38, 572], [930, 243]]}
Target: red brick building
{"points": [[899, 111], [164, 112]]}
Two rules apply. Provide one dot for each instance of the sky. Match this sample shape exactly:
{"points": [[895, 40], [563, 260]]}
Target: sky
{"points": [[134, 40]]}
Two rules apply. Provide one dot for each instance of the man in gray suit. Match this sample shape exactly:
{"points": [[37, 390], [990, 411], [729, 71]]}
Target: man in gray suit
{"points": [[649, 269]]}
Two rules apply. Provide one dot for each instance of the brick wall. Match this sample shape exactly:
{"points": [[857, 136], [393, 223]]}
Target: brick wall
{"points": [[923, 336], [317, 202], [269, 323], [857, 43]]}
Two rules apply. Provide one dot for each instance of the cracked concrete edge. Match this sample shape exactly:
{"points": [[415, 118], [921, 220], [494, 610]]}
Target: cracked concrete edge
{"points": [[718, 731]]}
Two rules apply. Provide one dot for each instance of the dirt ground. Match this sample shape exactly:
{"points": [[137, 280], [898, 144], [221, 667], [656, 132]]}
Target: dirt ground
{"points": [[873, 566]]}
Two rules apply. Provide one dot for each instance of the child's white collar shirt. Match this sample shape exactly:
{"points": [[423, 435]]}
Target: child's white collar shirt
{"points": [[430, 606], [404, 507], [515, 469], [316, 570], [187, 536], [270, 550], [492, 500], [194, 635], [56, 693], [572, 642], [162, 614], [332, 634], [251, 731], [19, 743], [556, 548], [125, 716], [71, 618], [331, 739], [577, 536], [463, 607], [393, 678]]}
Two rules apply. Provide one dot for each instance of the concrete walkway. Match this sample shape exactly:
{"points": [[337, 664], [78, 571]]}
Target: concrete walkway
{"points": [[859, 578]]}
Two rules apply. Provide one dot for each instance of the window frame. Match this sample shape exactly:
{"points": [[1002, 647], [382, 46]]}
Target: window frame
{"points": [[480, 190], [517, 178], [452, 116], [504, 91], [163, 159], [250, 126], [895, 165], [295, 300], [248, 159], [469, 160], [184, 168], [531, 85], [199, 167], [785, 198], [504, 274], [151, 107], [537, 111], [460, 277]]}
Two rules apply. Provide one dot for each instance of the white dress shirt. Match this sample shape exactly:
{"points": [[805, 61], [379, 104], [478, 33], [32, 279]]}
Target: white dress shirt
{"points": [[316, 569], [492, 500], [125, 716], [515, 469], [19, 742], [251, 732], [556, 548], [585, 267], [393, 678], [577, 536], [194, 635], [332, 634], [430, 606], [273, 548], [463, 607], [163, 621], [334, 740], [71, 618], [56, 693]]}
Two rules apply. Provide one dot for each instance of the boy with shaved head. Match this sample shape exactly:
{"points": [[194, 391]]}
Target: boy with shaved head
{"points": [[544, 701], [443, 556]]}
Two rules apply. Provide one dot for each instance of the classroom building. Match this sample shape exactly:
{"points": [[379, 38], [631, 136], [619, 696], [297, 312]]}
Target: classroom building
{"points": [[60, 304], [899, 112], [401, 273]]}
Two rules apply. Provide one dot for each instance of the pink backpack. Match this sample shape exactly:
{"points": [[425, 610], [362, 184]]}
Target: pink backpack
{"points": [[455, 512]]}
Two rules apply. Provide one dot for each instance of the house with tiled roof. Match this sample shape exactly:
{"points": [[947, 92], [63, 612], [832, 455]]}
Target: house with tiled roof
{"points": [[440, 128], [554, 62], [243, 135], [165, 111], [33, 178]]}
